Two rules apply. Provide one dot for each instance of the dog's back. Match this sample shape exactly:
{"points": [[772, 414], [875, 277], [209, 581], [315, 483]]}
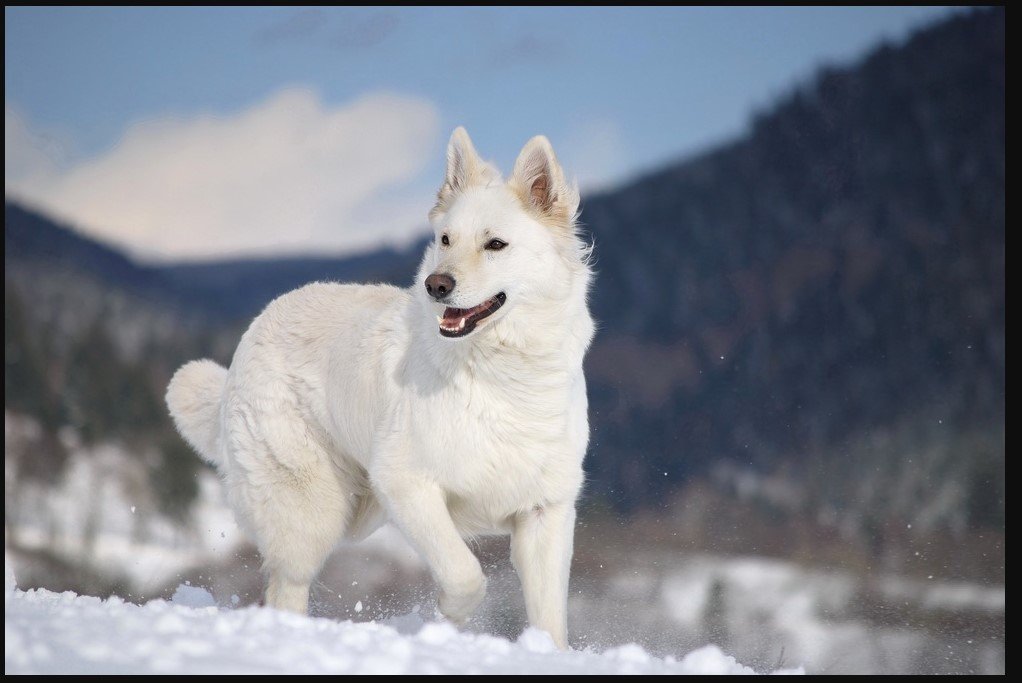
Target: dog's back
{"points": [[282, 366]]}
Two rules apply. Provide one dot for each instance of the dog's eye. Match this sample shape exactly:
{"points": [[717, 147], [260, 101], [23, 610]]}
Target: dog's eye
{"points": [[444, 240], [495, 244]]}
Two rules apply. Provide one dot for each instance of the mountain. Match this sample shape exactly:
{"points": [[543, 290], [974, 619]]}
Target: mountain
{"points": [[820, 301], [236, 288], [838, 271], [243, 287]]}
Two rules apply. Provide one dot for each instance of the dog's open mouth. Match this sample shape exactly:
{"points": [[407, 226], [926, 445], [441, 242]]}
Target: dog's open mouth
{"points": [[457, 322]]}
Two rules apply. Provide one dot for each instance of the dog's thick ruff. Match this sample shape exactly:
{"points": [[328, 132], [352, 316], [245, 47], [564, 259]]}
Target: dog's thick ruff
{"points": [[345, 406]]}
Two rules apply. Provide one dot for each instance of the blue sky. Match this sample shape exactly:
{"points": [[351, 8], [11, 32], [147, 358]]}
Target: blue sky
{"points": [[213, 113]]}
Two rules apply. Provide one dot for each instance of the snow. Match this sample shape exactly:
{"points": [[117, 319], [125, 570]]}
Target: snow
{"points": [[816, 615], [944, 595], [51, 633], [101, 510], [10, 582], [192, 596]]}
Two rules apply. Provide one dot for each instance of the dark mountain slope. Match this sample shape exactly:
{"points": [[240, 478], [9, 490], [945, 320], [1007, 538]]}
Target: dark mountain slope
{"points": [[840, 269]]}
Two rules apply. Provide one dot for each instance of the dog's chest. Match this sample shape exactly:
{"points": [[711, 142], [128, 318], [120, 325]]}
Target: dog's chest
{"points": [[504, 441]]}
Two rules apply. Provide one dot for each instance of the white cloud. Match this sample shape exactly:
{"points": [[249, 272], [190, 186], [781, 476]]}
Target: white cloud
{"points": [[290, 174]]}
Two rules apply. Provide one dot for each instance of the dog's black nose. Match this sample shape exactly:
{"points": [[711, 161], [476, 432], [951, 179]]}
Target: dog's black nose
{"points": [[439, 286]]}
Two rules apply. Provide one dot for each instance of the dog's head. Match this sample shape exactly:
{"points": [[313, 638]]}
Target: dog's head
{"points": [[500, 246]]}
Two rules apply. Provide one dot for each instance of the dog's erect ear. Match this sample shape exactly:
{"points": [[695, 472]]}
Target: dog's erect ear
{"points": [[539, 182], [464, 169], [462, 160]]}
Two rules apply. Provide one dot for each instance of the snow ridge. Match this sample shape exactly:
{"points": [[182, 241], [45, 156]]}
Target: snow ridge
{"points": [[50, 633]]}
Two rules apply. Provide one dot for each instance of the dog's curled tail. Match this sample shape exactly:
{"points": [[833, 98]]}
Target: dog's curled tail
{"points": [[193, 396]]}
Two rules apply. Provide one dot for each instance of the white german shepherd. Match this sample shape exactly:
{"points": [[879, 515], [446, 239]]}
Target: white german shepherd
{"points": [[454, 408]]}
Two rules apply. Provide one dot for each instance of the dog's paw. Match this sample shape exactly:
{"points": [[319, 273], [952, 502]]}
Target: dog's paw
{"points": [[457, 604]]}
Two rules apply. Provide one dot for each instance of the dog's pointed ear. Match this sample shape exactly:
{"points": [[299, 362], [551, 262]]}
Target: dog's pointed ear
{"points": [[464, 168], [539, 181], [462, 160]]}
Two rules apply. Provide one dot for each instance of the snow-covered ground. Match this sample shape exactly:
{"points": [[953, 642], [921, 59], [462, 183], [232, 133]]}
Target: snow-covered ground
{"points": [[51, 633], [98, 529]]}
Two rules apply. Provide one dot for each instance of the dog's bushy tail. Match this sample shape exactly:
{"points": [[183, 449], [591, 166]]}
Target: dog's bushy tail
{"points": [[193, 396]]}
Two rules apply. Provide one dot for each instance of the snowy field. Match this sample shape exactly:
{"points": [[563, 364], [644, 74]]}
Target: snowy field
{"points": [[97, 530], [51, 633]]}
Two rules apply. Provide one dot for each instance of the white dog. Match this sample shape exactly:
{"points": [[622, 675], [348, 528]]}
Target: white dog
{"points": [[454, 408]]}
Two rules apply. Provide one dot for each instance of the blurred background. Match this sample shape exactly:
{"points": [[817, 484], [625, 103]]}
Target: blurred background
{"points": [[797, 391]]}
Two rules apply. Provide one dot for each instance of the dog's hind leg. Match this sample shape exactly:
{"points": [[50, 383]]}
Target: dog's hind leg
{"points": [[300, 513], [304, 523]]}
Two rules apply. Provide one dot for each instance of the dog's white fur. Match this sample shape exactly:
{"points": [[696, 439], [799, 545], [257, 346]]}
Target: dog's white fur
{"points": [[345, 408]]}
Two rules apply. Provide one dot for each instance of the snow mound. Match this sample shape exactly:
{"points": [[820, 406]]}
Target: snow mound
{"points": [[50, 633], [192, 596]]}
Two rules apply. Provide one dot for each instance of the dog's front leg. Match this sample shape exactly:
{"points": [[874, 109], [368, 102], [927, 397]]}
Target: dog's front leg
{"points": [[418, 508], [541, 545]]}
